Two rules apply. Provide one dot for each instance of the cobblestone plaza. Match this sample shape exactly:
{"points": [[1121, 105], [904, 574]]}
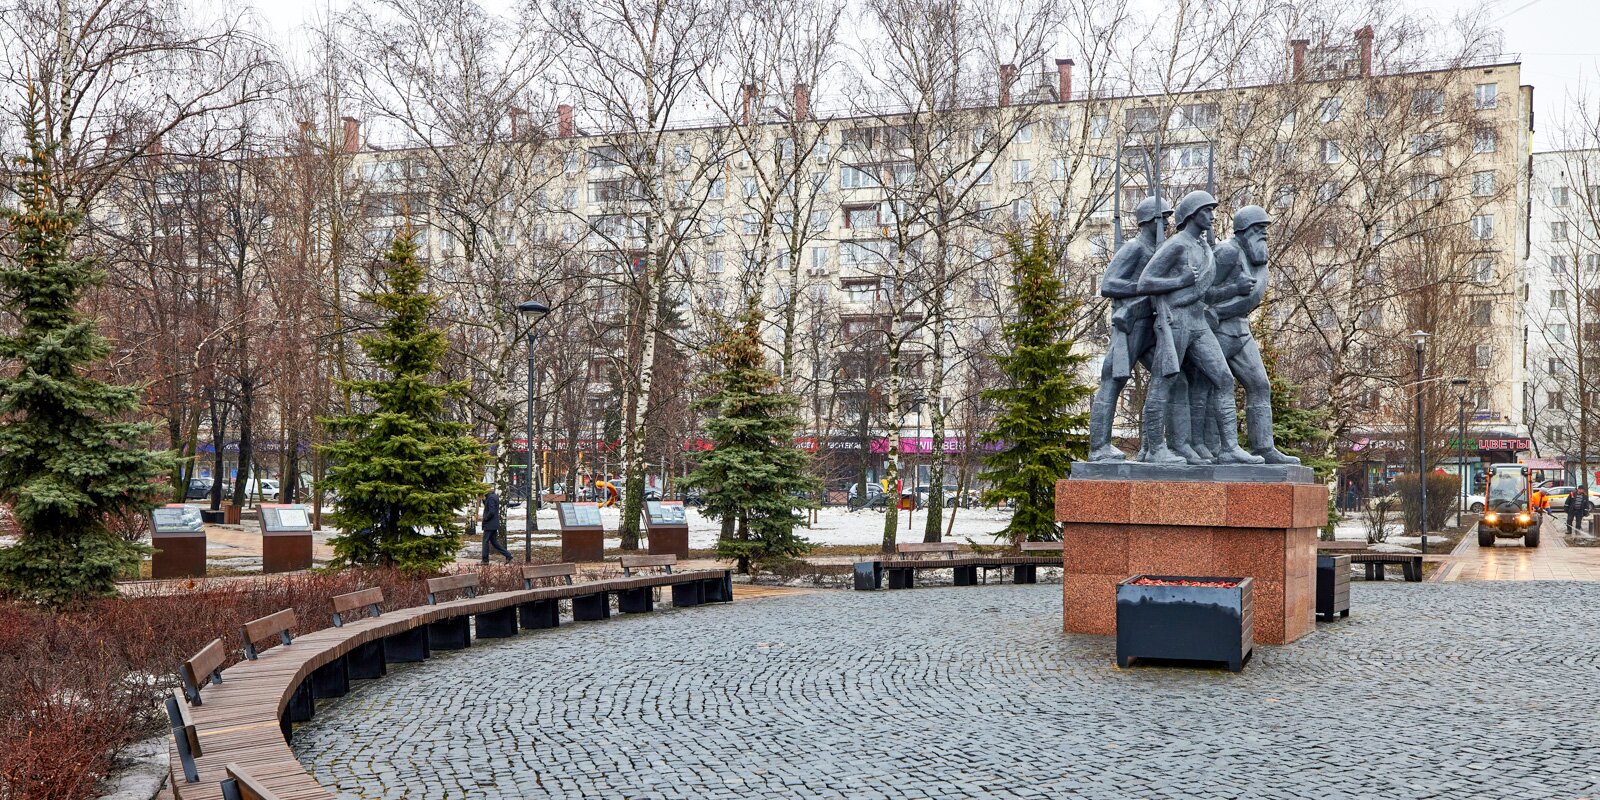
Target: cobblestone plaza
{"points": [[1427, 690]]}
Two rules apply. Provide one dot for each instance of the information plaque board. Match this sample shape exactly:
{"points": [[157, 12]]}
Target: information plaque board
{"points": [[285, 537], [179, 539], [583, 535], [667, 527]]}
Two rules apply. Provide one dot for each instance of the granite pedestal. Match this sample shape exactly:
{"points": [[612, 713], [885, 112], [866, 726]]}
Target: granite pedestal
{"points": [[1162, 521]]}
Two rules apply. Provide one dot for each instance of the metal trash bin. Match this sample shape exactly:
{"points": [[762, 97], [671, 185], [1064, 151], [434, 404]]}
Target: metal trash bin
{"points": [[868, 576]]}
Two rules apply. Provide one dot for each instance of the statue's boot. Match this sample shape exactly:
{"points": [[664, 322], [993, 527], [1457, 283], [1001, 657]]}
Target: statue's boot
{"points": [[1181, 442], [1153, 440], [1101, 414], [1228, 426], [1258, 418]]}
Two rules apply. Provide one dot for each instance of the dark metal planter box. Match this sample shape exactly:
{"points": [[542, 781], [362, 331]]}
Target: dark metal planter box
{"points": [[1189, 623], [1333, 586]]}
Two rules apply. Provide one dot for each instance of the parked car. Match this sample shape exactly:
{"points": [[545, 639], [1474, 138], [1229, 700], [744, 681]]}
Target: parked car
{"points": [[199, 489], [1475, 503], [1554, 499]]}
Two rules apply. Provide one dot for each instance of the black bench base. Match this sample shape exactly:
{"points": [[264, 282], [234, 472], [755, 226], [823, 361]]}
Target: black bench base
{"points": [[902, 579], [637, 601], [1025, 573], [498, 624], [408, 646], [868, 576], [591, 607], [540, 614], [331, 679], [965, 576], [454, 633], [366, 662], [685, 595]]}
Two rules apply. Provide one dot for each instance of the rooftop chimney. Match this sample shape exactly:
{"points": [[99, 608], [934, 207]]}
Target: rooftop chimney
{"points": [[516, 119], [749, 91], [307, 129], [352, 134], [153, 149], [802, 100], [1008, 76], [1297, 58], [564, 128], [1064, 80], [1364, 45]]}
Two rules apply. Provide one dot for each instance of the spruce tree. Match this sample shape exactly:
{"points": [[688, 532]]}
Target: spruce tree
{"points": [[400, 467], [71, 456], [753, 477], [1039, 428]]}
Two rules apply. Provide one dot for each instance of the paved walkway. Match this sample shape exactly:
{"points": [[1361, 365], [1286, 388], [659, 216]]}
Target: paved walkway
{"points": [[1508, 560], [1426, 691]]}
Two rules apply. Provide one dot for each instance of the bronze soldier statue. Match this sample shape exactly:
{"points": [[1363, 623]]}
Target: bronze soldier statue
{"points": [[1241, 282], [1178, 276], [1132, 332]]}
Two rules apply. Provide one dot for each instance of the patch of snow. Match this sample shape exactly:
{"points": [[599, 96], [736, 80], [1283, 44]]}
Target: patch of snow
{"points": [[141, 771]]}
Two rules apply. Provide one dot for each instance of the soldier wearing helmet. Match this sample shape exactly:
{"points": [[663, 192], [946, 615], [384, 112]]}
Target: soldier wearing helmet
{"points": [[1132, 333], [1179, 275], [1240, 284]]}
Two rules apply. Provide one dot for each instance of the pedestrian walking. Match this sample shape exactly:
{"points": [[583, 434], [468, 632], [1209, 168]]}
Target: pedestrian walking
{"points": [[1577, 508], [491, 527]]}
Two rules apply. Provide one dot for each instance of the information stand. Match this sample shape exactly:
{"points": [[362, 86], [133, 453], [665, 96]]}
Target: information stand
{"points": [[667, 527], [583, 537], [285, 537], [179, 539]]}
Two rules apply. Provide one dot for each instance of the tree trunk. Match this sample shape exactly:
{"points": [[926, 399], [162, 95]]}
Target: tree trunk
{"points": [[636, 395], [247, 448], [891, 475]]}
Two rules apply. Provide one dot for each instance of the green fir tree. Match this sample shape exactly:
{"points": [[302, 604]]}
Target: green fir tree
{"points": [[401, 468], [753, 476], [1039, 428], [71, 456]]}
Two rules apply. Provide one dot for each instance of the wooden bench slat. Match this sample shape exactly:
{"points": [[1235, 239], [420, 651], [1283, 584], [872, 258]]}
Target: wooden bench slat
{"points": [[249, 787], [634, 562], [926, 547], [270, 625], [536, 571], [460, 580], [197, 670], [352, 601], [1041, 547]]}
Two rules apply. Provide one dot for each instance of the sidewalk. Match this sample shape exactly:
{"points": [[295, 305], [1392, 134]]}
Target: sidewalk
{"points": [[1508, 560]]}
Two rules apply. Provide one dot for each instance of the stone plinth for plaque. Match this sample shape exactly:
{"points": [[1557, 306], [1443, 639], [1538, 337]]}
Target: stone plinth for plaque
{"points": [[1126, 519], [667, 527], [583, 538], [179, 540], [285, 537]]}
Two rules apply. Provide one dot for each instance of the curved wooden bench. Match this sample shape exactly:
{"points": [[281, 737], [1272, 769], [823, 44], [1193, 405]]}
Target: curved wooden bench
{"points": [[234, 729], [902, 570]]}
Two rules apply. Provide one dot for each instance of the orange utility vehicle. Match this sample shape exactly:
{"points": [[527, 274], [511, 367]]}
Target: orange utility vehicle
{"points": [[1509, 511]]}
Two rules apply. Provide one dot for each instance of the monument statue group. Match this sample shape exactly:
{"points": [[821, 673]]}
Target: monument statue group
{"points": [[1180, 307]]}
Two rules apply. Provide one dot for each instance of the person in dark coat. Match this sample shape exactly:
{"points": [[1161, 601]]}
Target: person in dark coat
{"points": [[491, 527], [1577, 508]]}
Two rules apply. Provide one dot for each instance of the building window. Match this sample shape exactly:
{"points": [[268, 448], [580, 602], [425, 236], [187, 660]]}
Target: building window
{"points": [[819, 221], [1141, 120], [570, 166], [1330, 151], [719, 189], [819, 259], [1558, 265], [1591, 262], [713, 263], [1485, 95], [1099, 125], [1372, 149], [681, 155], [1558, 231], [1483, 140], [1483, 227], [855, 178], [985, 173], [1024, 133], [751, 187], [1558, 299], [1552, 366], [1377, 108], [1327, 192], [1558, 196], [1020, 169], [820, 152], [752, 224], [1425, 187], [1058, 169], [569, 198], [1060, 128], [1196, 115], [1021, 209], [1427, 101], [1483, 183], [1484, 355], [1329, 109], [1483, 269], [1554, 401], [1558, 332], [1427, 144], [1481, 313], [861, 216]]}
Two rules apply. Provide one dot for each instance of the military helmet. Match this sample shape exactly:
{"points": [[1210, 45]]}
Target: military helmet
{"points": [[1192, 202], [1147, 209], [1249, 216]]}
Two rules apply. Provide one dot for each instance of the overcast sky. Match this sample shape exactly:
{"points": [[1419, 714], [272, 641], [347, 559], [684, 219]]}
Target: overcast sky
{"points": [[1559, 41]]}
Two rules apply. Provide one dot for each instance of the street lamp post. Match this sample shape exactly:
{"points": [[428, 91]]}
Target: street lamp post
{"points": [[1460, 385], [532, 311], [1421, 337]]}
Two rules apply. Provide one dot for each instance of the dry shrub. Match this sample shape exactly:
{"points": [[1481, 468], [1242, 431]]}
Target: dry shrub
{"points": [[77, 687]]}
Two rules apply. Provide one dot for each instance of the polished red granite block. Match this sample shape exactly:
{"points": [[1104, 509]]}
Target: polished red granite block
{"points": [[1170, 550], [1260, 505], [1310, 506], [1178, 503], [1094, 549], [1241, 552], [1093, 501], [1089, 603]]}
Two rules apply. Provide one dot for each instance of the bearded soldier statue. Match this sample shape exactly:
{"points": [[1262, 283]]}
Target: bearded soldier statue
{"points": [[1241, 282]]}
